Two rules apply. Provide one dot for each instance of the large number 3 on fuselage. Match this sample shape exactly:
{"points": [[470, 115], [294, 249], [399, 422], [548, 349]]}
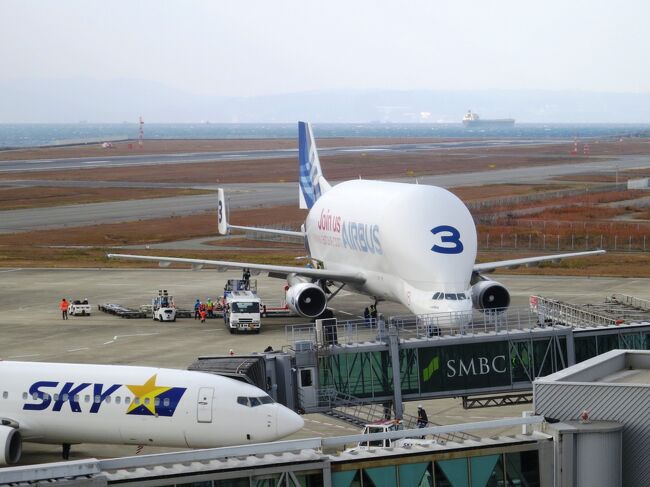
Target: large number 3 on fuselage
{"points": [[449, 238]]}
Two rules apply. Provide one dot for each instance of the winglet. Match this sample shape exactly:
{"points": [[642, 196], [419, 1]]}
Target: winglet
{"points": [[311, 181], [222, 220]]}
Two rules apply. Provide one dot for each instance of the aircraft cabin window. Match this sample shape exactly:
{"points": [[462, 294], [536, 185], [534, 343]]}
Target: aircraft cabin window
{"points": [[98, 399], [127, 400], [86, 398], [64, 397], [5, 395], [76, 398], [242, 400], [137, 400], [254, 401], [118, 399], [147, 400], [35, 395], [156, 401], [24, 395], [166, 402], [107, 400], [450, 296]]}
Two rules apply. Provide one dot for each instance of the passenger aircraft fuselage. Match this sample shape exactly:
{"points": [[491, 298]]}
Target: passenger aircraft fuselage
{"points": [[79, 403], [409, 240]]}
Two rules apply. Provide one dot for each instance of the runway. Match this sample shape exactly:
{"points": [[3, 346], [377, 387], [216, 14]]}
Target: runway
{"points": [[198, 157], [268, 194]]}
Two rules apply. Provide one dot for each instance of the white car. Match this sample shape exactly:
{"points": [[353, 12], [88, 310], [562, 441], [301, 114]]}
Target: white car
{"points": [[79, 308]]}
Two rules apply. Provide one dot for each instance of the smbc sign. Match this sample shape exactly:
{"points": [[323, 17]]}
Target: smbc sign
{"points": [[464, 367]]}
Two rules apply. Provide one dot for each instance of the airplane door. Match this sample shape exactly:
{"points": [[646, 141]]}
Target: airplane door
{"points": [[204, 405]]}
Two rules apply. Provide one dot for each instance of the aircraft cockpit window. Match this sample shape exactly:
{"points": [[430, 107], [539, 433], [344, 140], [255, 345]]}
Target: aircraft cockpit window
{"points": [[437, 295], [266, 400], [242, 400], [450, 296], [254, 401], [461, 296]]}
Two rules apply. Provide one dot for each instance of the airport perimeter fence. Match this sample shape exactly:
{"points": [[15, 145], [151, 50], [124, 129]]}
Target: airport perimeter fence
{"points": [[543, 196], [556, 242]]}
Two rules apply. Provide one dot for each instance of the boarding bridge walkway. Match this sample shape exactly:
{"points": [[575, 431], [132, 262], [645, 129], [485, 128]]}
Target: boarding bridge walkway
{"points": [[496, 354]]}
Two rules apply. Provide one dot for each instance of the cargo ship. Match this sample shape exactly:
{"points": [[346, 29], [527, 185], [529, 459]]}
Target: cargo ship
{"points": [[472, 120]]}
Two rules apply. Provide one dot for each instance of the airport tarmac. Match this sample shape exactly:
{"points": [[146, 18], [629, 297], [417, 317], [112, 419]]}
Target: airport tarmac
{"points": [[33, 330]]}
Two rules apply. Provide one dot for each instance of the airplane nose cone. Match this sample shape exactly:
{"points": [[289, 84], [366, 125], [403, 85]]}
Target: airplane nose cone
{"points": [[288, 422]]}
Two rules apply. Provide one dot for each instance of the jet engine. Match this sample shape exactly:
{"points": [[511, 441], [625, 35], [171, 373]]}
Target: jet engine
{"points": [[490, 295], [306, 299], [11, 443]]}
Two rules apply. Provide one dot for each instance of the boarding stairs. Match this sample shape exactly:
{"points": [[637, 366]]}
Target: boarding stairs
{"points": [[356, 412]]}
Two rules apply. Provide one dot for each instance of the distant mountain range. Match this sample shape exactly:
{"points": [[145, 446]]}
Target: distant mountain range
{"points": [[74, 100]]}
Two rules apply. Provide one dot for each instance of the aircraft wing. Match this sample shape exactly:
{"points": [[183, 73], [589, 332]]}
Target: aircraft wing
{"points": [[272, 270], [530, 261]]}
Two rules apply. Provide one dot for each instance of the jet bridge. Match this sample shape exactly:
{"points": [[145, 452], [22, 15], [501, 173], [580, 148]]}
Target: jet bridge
{"points": [[493, 360]]}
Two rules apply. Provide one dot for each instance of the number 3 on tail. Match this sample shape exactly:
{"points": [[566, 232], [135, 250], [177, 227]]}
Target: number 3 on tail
{"points": [[220, 212], [449, 238]]}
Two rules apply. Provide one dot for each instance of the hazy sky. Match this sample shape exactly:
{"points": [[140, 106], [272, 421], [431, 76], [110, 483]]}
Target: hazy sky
{"points": [[276, 46]]}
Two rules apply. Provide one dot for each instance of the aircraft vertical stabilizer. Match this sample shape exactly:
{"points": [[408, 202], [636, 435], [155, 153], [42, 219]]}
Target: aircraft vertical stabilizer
{"points": [[311, 181]]}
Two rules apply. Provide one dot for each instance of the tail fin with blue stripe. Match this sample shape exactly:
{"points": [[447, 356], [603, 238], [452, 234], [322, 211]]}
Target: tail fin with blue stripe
{"points": [[311, 182]]}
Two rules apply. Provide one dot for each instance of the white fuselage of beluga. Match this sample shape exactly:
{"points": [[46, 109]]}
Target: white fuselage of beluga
{"points": [[410, 241], [79, 403]]}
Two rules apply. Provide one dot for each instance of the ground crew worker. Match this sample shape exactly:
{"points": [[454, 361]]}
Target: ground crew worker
{"points": [[373, 314], [63, 306], [210, 308], [423, 420], [246, 277], [197, 305], [203, 315]]}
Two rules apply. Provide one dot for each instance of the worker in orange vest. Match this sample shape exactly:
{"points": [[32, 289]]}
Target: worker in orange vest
{"points": [[63, 306]]}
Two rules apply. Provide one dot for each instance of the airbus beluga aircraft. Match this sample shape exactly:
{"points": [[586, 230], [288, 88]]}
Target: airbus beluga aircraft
{"points": [[414, 244], [81, 403]]}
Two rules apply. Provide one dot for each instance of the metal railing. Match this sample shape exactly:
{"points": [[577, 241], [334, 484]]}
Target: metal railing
{"points": [[428, 326], [552, 311], [356, 411]]}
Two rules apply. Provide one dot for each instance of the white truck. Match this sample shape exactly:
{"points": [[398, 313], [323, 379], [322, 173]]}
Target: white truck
{"points": [[242, 306], [162, 307], [79, 307]]}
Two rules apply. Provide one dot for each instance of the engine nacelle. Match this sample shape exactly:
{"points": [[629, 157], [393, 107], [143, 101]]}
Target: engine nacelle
{"points": [[11, 443], [306, 299], [490, 295]]}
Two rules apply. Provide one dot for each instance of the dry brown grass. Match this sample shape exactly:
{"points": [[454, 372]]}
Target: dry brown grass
{"points": [[41, 197]]}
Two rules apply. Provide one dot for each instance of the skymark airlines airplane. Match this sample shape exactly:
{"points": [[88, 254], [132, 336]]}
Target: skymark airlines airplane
{"points": [[414, 244], [78, 403]]}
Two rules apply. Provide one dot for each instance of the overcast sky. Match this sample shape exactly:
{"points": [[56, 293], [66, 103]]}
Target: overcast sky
{"points": [[276, 46]]}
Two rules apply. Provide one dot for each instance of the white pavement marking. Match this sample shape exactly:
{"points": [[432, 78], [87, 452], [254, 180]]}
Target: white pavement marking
{"points": [[344, 312], [95, 162], [77, 349], [10, 270], [24, 356], [117, 337]]}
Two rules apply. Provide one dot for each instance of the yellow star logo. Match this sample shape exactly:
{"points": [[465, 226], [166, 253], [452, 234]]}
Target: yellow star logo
{"points": [[146, 394]]}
